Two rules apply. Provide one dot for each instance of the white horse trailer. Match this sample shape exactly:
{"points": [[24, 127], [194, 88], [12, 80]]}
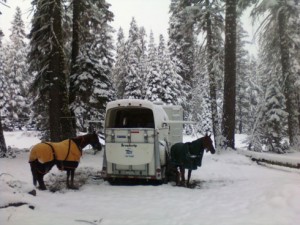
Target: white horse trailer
{"points": [[138, 134]]}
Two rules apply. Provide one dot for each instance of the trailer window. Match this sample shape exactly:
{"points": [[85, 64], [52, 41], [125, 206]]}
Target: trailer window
{"points": [[130, 118]]}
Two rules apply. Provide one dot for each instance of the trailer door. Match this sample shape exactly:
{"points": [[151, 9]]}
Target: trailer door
{"points": [[130, 140]]}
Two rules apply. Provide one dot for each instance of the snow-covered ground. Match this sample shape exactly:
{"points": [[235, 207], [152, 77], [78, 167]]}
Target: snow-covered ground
{"points": [[231, 189]]}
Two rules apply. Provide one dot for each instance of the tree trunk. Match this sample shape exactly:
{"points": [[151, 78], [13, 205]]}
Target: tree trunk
{"points": [[75, 46], [212, 78], [290, 90], [228, 123], [59, 113], [3, 149], [77, 9]]}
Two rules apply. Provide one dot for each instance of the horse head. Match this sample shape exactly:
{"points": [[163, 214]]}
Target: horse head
{"points": [[208, 144], [94, 141]]}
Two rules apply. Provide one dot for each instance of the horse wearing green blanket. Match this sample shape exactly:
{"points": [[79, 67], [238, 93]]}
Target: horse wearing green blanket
{"points": [[189, 156]]}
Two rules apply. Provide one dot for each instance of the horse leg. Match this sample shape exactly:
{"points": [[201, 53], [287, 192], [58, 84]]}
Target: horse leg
{"points": [[72, 178], [40, 179], [68, 178], [189, 177], [182, 171], [70, 173], [33, 172], [37, 170], [177, 177]]}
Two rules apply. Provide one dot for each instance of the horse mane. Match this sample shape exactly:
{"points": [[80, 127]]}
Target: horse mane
{"points": [[78, 140], [81, 136], [84, 139], [196, 147]]}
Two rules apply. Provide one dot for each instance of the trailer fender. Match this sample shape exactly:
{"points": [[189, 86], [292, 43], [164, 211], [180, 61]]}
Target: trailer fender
{"points": [[162, 152]]}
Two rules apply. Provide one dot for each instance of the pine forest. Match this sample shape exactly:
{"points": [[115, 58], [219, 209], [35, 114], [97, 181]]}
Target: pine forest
{"points": [[59, 77]]}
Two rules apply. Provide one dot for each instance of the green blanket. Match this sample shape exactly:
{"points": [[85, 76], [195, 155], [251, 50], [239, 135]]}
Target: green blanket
{"points": [[189, 155]]}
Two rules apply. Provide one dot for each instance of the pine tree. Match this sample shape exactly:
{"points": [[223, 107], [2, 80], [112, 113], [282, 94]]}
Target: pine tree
{"points": [[3, 148], [254, 93], [271, 107], [228, 123], [171, 81], [207, 20], [143, 59], [47, 60], [154, 90], [182, 47], [277, 39], [121, 65], [181, 39], [92, 79], [274, 118], [75, 46], [201, 106], [133, 79], [18, 79], [242, 80]]}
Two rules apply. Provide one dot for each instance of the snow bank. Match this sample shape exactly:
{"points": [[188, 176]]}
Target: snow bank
{"points": [[289, 160]]}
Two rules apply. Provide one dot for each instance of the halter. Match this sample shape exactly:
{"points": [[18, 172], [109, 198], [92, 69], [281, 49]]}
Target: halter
{"points": [[82, 140]]}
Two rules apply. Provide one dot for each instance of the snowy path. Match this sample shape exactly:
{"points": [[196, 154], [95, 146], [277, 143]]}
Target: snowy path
{"points": [[233, 190]]}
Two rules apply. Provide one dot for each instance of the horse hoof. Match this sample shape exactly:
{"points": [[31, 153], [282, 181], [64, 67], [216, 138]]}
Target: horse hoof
{"points": [[42, 188], [72, 187], [181, 184]]}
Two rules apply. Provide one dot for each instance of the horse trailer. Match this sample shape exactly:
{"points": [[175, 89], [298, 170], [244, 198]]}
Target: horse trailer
{"points": [[138, 136]]}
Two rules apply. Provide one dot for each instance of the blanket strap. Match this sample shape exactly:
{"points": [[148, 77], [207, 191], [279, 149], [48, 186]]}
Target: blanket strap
{"points": [[69, 148], [53, 152], [189, 155]]}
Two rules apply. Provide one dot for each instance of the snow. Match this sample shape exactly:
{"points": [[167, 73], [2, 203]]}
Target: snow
{"points": [[231, 190], [21, 139], [292, 159]]}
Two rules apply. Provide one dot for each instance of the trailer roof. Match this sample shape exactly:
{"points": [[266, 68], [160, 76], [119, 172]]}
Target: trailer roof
{"points": [[130, 102], [159, 113]]}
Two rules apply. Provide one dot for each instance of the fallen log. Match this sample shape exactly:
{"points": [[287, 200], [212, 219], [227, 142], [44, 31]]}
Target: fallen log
{"points": [[275, 159]]}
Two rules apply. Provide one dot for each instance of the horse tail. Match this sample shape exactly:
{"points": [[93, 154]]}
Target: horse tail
{"points": [[32, 162], [34, 172]]}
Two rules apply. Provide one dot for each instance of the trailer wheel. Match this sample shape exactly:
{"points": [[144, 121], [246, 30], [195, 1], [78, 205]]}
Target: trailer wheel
{"points": [[165, 180]]}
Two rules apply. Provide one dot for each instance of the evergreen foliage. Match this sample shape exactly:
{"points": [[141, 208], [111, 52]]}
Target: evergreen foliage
{"points": [[92, 77], [3, 148], [17, 104], [188, 70], [182, 48], [133, 78], [154, 91], [171, 81], [48, 62], [278, 40], [243, 76], [121, 65]]}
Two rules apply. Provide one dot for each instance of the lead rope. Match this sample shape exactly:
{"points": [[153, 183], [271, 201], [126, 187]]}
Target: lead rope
{"points": [[80, 148]]}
